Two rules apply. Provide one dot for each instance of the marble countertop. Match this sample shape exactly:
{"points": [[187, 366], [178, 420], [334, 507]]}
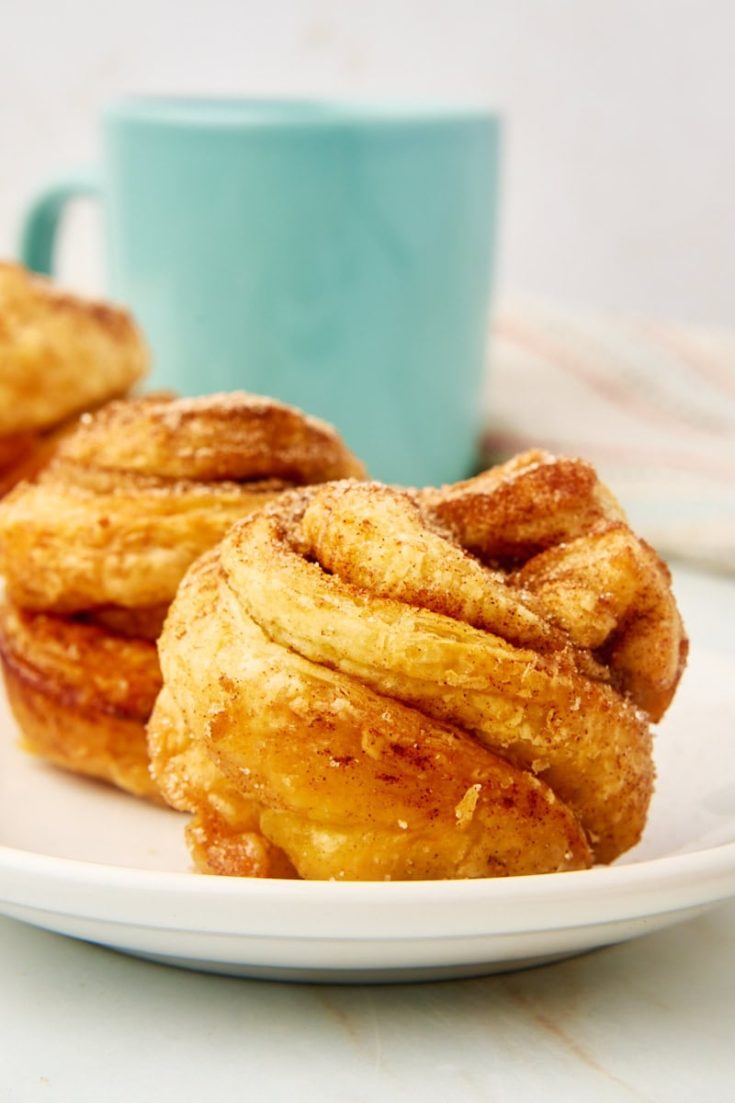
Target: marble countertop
{"points": [[650, 1020]]}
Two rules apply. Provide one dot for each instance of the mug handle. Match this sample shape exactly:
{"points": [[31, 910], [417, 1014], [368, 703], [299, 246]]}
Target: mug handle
{"points": [[41, 221]]}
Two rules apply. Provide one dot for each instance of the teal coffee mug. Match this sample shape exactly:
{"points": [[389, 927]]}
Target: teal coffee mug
{"points": [[335, 256]]}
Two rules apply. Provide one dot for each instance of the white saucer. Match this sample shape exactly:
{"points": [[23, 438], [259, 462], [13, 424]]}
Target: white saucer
{"points": [[83, 860]]}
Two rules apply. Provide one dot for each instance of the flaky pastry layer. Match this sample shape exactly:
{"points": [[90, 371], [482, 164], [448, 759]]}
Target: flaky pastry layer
{"points": [[142, 488], [93, 552], [60, 354], [387, 704], [81, 695], [345, 782]]}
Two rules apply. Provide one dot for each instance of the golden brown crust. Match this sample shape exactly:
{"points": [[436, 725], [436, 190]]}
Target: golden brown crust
{"points": [[97, 546], [60, 354], [234, 437], [142, 488], [81, 695], [224, 836], [378, 538], [517, 509], [385, 706], [612, 594], [349, 784], [78, 539], [533, 705]]}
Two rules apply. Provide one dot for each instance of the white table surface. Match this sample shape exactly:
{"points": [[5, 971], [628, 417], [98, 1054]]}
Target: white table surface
{"points": [[651, 1020]]}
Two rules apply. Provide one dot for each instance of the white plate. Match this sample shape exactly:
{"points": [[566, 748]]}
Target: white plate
{"points": [[83, 860]]}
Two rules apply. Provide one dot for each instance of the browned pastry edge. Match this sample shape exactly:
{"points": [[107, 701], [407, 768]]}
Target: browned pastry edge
{"points": [[218, 848], [234, 436], [513, 511], [98, 745], [224, 837], [24, 455], [88, 714]]}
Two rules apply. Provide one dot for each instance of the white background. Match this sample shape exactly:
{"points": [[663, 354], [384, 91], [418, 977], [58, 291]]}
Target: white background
{"points": [[619, 181]]}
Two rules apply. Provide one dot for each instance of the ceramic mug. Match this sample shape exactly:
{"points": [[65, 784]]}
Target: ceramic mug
{"points": [[335, 256]]}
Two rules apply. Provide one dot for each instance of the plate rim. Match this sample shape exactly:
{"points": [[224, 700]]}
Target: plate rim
{"points": [[354, 911]]}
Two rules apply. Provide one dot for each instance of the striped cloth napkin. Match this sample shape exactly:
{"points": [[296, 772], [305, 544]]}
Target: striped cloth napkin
{"points": [[651, 405]]}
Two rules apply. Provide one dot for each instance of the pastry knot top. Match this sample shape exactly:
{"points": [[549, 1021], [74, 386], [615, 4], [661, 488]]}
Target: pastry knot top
{"points": [[439, 683]]}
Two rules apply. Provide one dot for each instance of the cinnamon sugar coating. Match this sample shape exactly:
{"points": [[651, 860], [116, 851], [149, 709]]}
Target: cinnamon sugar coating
{"points": [[142, 487], [93, 550], [420, 684]]}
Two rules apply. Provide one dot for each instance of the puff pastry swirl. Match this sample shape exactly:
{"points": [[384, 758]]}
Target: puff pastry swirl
{"points": [[93, 552], [346, 681], [143, 487]]}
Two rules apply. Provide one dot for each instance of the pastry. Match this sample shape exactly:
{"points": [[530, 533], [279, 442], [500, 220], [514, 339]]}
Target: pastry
{"points": [[93, 550], [143, 487], [350, 689], [81, 695], [59, 355]]}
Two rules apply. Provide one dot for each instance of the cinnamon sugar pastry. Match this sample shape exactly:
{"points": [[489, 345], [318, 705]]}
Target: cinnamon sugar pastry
{"points": [[59, 355], [143, 487], [81, 695], [93, 551], [347, 688]]}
